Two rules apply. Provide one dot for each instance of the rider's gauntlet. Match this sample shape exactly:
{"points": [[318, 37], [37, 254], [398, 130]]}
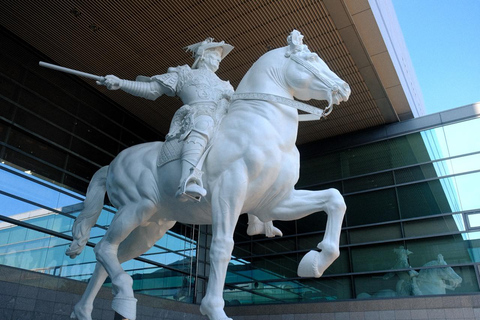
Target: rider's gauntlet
{"points": [[148, 90]]}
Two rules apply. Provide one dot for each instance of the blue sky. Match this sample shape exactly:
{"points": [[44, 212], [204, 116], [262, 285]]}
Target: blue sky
{"points": [[443, 39]]}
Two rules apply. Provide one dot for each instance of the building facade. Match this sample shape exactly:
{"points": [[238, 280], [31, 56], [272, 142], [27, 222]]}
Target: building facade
{"points": [[411, 228]]}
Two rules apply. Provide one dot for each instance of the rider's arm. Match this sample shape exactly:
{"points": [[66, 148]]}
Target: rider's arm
{"points": [[149, 88]]}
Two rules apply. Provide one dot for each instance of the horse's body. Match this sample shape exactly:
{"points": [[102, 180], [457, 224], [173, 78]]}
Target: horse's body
{"points": [[252, 168]]}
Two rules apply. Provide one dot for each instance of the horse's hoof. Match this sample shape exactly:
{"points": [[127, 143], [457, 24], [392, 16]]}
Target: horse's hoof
{"points": [[126, 307], [219, 315], [81, 313], [308, 266]]}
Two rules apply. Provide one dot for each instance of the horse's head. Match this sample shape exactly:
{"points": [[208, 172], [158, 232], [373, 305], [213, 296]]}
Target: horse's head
{"points": [[309, 77], [446, 274], [295, 71]]}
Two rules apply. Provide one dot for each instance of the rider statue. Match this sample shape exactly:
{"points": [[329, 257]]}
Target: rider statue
{"points": [[205, 97], [200, 89]]}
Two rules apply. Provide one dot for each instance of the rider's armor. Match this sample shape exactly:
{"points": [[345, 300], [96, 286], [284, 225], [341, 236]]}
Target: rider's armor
{"points": [[202, 93]]}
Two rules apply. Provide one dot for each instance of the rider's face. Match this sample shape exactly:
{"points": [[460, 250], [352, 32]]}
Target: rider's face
{"points": [[211, 59]]}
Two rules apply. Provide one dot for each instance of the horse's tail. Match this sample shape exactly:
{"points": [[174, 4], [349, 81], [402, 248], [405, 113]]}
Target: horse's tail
{"points": [[92, 207]]}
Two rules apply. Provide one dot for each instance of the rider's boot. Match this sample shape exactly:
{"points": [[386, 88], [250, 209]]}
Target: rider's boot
{"points": [[191, 186]]}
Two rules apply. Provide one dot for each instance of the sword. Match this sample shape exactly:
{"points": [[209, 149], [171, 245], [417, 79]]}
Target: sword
{"points": [[71, 71]]}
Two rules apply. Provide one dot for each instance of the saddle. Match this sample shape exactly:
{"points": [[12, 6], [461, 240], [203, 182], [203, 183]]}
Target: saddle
{"points": [[180, 128]]}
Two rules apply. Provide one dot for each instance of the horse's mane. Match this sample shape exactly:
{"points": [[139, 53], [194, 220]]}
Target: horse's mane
{"points": [[270, 58], [266, 64], [432, 263]]}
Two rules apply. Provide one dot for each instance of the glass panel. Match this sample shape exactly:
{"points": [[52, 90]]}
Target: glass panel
{"points": [[423, 199], [331, 288], [368, 182], [434, 141], [408, 150], [3, 132], [462, 137], [428, 281], [378, 286], [375, 257], [313, 223], [6, 109], [275, 267], [42, 127], [274, 246], [366, 159], [96, 137], [456, 249], [48, 90], [11, 206], [474, 220], [467, 191], [434, 226], [9, 67], [341, 265], [320, 169], [91, 152], [45, 109], [311, 241], [81, 167], [371, 207], [18, 185], [32, 250], [378, 233], [36, 167], [294, 291], [7, 88], [417, 173], [36, 148], [163, 283], [97, 120]]}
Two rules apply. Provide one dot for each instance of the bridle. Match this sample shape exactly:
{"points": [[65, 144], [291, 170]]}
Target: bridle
{"points": [[294, 103]]}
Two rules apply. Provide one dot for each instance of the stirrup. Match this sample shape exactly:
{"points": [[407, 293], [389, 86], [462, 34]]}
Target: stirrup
{"points": [[192, 187]]}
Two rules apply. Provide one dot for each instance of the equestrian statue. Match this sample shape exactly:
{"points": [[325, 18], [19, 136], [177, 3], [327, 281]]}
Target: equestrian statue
{"points": [[227, 153]]}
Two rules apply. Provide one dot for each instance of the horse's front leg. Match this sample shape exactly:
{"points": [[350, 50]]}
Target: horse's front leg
{"points": [[301, 203], [227, 202]]}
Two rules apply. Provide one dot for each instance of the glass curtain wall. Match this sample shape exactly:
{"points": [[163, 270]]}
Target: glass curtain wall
{"points": [[413, 207], [35, 231], [55, 132], [412, 225]]}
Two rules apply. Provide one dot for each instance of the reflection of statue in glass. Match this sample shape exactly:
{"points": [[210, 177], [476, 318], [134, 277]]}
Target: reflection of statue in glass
{"points": [[428, 281], [436, 280], [404, 284]]}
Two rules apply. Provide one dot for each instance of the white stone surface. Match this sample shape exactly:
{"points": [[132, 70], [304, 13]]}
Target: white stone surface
{"points": [[252, 166]]}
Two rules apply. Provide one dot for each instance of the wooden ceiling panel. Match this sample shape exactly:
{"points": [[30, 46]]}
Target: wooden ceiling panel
{"points": [[145, 37]]}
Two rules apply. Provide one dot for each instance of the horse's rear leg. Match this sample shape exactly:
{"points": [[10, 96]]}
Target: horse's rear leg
{"points": [[137, 243], [301, 203], [127, 219]]}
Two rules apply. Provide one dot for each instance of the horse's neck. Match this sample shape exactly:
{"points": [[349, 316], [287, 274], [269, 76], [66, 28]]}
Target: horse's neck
{"points": [[430, 276], [267, 75]]}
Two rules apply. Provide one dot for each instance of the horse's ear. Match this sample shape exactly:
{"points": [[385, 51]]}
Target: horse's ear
{"points": [[440, 259]]}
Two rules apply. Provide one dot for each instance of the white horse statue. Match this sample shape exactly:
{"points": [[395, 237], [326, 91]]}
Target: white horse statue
{"points": [[252, 168], [436, 280]]}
